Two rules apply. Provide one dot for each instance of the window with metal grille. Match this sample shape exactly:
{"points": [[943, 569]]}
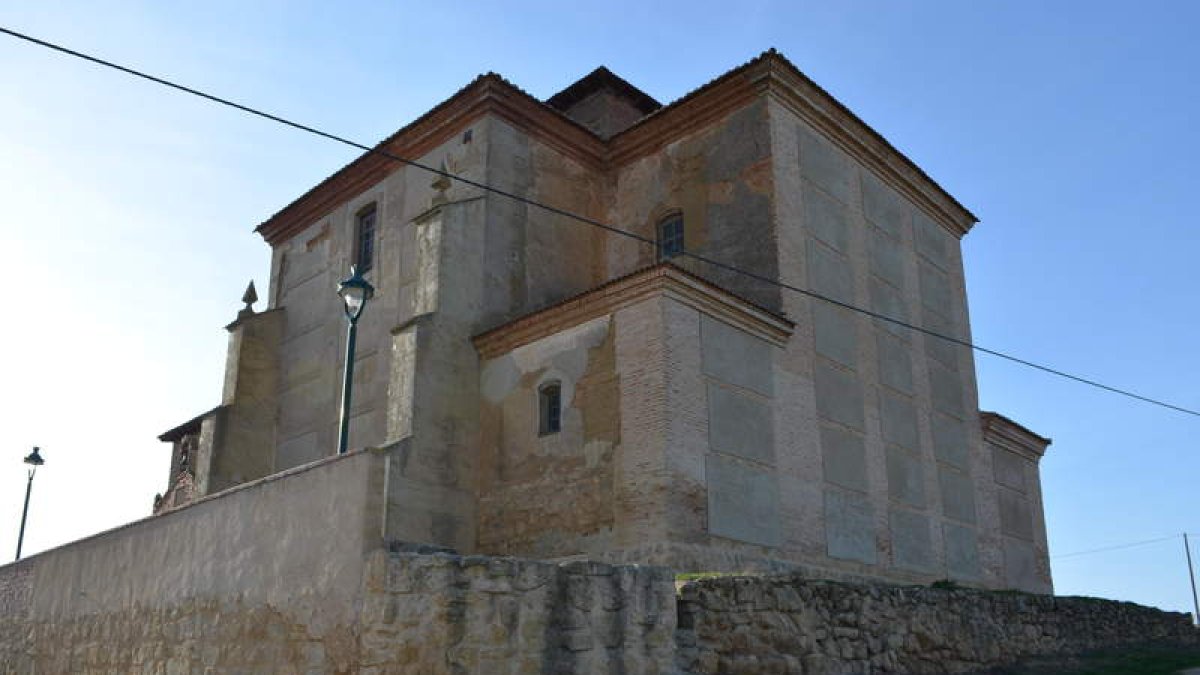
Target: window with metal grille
{"points": [[670, 236], [364, 248], [549, 408]]}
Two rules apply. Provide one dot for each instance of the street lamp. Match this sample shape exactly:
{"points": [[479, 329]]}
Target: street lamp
{"points": [[34, 460], [355, 292]]}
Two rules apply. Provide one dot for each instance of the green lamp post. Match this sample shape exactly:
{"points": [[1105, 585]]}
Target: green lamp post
{"points": [[34, 460], [355, 292]]}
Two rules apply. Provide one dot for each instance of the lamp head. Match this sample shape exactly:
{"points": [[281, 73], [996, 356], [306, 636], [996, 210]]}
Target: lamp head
{"points": [[355, 292], [34, 458]]}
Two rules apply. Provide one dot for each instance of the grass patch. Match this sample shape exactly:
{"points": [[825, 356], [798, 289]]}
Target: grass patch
{"points": [[1144, 660], [698, 576]]}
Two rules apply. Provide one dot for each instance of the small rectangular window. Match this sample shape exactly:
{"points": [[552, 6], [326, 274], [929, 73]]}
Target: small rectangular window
{"points": [[364, 249], [670, 237], [550, 408]]}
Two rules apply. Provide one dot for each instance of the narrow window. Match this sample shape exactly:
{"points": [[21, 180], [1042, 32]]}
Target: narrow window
{"points": [[549, 408], [364, 245], [670, 236]]}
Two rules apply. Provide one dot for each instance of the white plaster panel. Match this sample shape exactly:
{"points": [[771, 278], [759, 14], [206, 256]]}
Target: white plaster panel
{"points": [[898, 419], [839, 396], [849, 526], [958, 494], [895, 364], [829, 273], [932, 240], [962, 551], [743, 501], [825, 165], [912, 545], [935, 290], [888, 301], [1016, 518], [1009, 468], [735, 356], [949, 439], [946, 390], [740, 424], [887, 258], [844, 456], [826, 219], [1020, 565], [835, 333], [906, 477], [882, 206]]}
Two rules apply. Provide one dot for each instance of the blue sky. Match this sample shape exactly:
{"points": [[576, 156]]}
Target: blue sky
{"points": [[1068, 127]]}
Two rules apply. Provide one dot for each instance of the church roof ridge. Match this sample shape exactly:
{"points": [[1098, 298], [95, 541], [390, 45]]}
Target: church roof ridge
{"points": [[601, 78]]}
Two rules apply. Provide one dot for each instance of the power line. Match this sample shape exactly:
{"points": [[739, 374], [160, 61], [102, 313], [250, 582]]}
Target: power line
{"points": [[1116, 547], [590, 221]]}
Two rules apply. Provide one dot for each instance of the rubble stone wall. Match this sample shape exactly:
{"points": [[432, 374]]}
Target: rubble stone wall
{"points": [[738, 625]]}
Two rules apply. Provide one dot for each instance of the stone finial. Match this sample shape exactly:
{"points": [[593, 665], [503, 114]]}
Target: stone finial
{"points": [[441, 183], [249, 297]]}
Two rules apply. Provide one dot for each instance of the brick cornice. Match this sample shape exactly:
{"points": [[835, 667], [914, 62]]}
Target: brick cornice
{"points": [[663, 280], [769, 76], [488, 94], [1001, 431]]}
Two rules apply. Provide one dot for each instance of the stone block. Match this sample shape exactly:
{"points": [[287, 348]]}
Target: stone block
{"points": [[898, 419], [882, 206], [946, 390], [743, 501], [887, 258], [845, 458], [825, 165], [912, 546], [895, 364], [1016, 518], [839, 396], [932, 240], [906, 478], [827, 219], [849, 526], [1020, 565], [950, 440], [1009, 468], [958, 494], [829, 273], [943, 351], [734, 356], [962, 551], [888, 301], [740, 424], [935, 289], [835, 333]]}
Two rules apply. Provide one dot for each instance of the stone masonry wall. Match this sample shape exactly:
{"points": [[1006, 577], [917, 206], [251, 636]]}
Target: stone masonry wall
{"points": [[782, 624], [444, 614]]}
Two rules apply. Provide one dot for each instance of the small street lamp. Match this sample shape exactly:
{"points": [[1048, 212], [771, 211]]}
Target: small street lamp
{"points": [[355, 292], [34, 460]]}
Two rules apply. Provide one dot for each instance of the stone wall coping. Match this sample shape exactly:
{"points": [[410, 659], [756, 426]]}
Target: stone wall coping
{"points": [[1002, 431], [250, 485], [661, 280]]}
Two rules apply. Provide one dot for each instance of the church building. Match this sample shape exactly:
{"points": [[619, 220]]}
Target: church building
{"points": [[703, 395]]}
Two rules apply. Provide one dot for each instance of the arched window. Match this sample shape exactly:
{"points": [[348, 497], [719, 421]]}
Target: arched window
{"points": [[364, 238], [670, 236], [550, 408]]}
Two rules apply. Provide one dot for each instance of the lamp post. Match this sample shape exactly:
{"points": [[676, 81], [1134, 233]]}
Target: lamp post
{"points": [[355, 292], [34, 460]]}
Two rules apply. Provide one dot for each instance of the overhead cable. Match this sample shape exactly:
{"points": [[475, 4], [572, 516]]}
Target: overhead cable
{"points": [[591, 221]]}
